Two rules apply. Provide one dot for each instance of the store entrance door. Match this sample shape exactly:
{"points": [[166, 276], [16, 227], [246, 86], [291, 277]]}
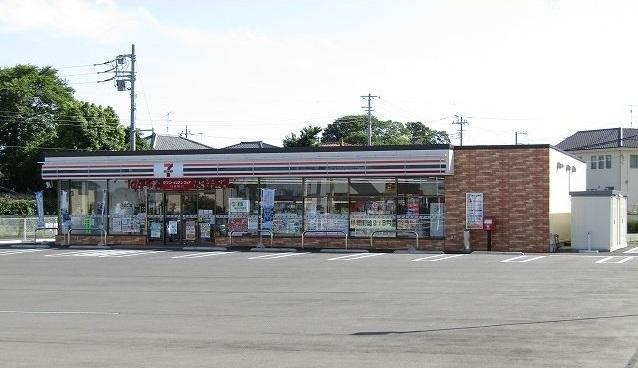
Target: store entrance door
{"points": [[182, 218]]}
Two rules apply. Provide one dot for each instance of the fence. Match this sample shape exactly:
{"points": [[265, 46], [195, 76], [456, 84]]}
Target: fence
{"points": [[23, 228]]}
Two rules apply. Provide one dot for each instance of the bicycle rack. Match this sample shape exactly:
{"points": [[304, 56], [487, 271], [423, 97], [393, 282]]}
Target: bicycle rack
{"points": [[396, 232], [260, 236], [324, 232]]}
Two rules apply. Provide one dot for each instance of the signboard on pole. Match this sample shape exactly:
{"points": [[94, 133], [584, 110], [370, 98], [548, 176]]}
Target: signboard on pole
{"points": [[40, 208], [473, 210], [267, 208]]}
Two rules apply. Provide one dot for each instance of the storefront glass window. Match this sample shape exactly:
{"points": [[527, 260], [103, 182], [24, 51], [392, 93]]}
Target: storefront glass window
{"points": [[127, 209], [288, 207], [421, 206], [326, 204], [241, 201], [372, 206], [86, 203]]}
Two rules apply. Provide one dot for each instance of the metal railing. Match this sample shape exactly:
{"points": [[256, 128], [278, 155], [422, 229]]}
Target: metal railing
{"points": [[35, 232], [323, 232], [68, 234], [230, 236], [396, 232]]}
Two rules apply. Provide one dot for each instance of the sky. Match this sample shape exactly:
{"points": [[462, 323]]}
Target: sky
{"points": [[257, 70]]}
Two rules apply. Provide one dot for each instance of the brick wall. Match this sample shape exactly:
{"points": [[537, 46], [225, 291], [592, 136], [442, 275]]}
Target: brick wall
{"points": [[515, 187]]}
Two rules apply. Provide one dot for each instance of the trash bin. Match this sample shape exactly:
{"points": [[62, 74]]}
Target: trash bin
{"points": [[466, 239]]}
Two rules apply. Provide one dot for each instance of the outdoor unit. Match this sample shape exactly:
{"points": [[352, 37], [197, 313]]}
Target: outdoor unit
{"points": [[599, 220]]}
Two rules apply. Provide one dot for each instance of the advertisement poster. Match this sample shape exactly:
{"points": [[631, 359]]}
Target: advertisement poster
{"points": [[238, 205], [474, 210], [172, 227], [126, 224], [39, 203], [190, 230], [155, 229], [116, 224], [437, 217], [204, 230], [238, 223]]}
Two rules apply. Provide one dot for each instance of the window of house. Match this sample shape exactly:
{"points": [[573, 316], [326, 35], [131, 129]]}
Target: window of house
{"points": [[608, 161], [633, 161], [601, 162], [594, 162]]}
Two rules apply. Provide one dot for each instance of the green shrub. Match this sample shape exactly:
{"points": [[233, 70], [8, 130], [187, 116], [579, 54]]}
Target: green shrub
{"points": [[17, 207], [632, 226]]}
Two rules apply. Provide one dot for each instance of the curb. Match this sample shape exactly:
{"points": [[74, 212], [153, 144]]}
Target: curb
{"points": [[30, 246], [498, 253], [219, 249], [274, 250], [410, 251], [89, 247], [338, 250]]}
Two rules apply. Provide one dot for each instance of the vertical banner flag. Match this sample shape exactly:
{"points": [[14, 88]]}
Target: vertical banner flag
{"points": [[267, 208], [64, 210], [40, 208]]}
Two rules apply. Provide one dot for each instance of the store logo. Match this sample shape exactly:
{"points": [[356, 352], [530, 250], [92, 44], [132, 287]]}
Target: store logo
{"points": [[168, 169]]}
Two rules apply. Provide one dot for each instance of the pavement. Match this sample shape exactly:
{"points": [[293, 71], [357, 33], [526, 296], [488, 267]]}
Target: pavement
{"points": [[141, 308]]}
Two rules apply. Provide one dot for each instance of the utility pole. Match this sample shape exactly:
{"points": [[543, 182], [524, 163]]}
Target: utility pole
{"points": [[369, 109], [631, 116], [460, 121], [517, 133], [168, 120], [122, 74]]}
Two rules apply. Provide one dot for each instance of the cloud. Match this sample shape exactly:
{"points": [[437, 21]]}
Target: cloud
{"points": [[101, 20]]}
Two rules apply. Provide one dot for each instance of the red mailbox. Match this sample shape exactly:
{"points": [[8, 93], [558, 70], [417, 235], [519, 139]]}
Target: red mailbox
{"points": [[489, 223]]}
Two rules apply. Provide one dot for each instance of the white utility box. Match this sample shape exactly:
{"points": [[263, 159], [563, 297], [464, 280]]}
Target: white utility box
{"points": [[599, 220]]}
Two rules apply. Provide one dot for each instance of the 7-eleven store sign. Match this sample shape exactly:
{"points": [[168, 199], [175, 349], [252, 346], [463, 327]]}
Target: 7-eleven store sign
{"points": [[168, 169]]}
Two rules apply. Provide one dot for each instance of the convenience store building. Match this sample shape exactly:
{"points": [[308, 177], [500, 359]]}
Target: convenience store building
{"points": [[202, 197]]}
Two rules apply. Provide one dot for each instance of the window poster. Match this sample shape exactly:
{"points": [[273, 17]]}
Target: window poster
{"points": [[116, 224], [474, 210], [190, 230], [172, 227], [204, 230], [155, 229], [238, 205]]}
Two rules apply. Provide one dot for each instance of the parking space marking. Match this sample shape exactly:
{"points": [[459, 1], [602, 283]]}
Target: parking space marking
{"points": [[278, 255], [632, 250], [522, 259], [620, 261], [351, 257], [202, 255], [105, 253], [444, 258], [428, 257], [9, 252]]}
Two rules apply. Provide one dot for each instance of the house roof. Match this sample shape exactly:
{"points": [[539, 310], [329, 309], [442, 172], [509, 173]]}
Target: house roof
{"points": [[600, 139], [173, 142], [252, 144]]}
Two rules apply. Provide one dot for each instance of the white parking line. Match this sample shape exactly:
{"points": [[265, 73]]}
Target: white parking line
{"points": [[444, 258], [512, 259], [522, 259], [428, 257], [278, 255], [622, 260], [105, 253], [632, 250], [351, 257], [134, 254], [202, 255], [19, 251]]}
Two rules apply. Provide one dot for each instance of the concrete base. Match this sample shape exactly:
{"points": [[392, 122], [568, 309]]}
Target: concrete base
{"points": [[501, 253], [89, 247], [414, 251], [31, 246], [218, 249], [274, 250], [338, 250]]}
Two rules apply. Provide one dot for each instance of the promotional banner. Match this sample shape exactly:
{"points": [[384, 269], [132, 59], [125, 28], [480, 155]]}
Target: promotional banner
{"points": [[39, 203], [64, 210], [267, 208], [473, 210]]}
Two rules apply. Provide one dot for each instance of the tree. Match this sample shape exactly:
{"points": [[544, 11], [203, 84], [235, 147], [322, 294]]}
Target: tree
{"points": [[418, 133], [38, 112], [308, 137], [351, 129]]}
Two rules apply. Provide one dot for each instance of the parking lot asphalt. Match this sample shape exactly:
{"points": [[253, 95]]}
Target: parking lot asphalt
{"points": [[126, 308]]}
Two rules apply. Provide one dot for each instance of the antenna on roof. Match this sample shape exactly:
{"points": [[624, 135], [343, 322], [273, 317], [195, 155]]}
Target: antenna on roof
{"points": [[168, 120]]}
